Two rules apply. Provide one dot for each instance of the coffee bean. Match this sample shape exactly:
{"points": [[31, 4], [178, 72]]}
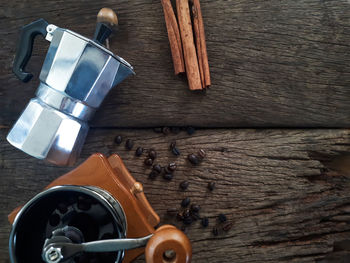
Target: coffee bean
{"points": [[195, 216], [195, 208], [153, 175], [157, 130], [139, 151], [175, 151], [186, 213], [188, 220], [190, 130], [184, 185], [157, 168], [171, 167], [215, 231], [172, 145], [202, 153], [129, 144], [193, 159], [168, 177], [205, 221], [211, 186], [175, 130], [179, 216], [152, 154], [227, 226], [185, 202], [166, 130], [148, 162], [118, 139], [222, 218], [171, 211]]}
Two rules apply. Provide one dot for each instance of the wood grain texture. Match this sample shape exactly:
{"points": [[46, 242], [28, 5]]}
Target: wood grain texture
{"points": [[273, 63], [287, 191]]}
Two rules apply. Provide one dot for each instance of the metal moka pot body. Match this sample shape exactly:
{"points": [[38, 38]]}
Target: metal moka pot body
{"points": [[76, 76]]}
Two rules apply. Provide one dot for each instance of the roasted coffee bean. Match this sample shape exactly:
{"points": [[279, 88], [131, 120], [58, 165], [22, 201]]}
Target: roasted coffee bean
{"points": [[168, 177], [54, 220], [157, 168], [129, 144], [202, 153], [148, 161], [215, 231], [172, 145], [118, 139], [184, 185], [62, 208], [153, 174], [205, 221], [166, 130], [171, 211], [175, 130], [195, 208], [195, 216], [171, 167], [139, 151], [185, 202], [186, 213], [211, 186], [152, 154], [227, 226], [194, 159], [222, 218], [179, 216], [190, 130], [157, 130], [175, 151], [188, 220]]}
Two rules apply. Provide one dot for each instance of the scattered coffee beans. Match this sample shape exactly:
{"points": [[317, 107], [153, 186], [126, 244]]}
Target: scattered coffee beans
{"points": [[190, 130], [186, 213], [148, 161], [193, 159], [168, 177], [215, 231], [222, 218], [185, 202], [166, 130], [211, 186], [205, 221], [188, 220], [118, 139], [179, 216], [139, 151], [171, 167], [201, 154], [129, 144], [172, 145], [195, 208], [184, 185], [157, 168], [152, 154], [227, 226], [195, 215]]}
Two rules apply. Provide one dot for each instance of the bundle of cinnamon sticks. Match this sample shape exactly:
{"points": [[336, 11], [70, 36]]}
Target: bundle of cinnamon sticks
{"points": [[189, 52]]}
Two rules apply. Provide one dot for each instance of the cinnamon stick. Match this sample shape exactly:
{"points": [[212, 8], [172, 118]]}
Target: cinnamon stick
{"points": [[198, 45], [174, 37], [201, 44], [190, 56]]}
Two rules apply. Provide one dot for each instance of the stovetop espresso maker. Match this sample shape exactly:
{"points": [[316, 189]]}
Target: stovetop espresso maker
{"points": [[96, 213], [76, 76]]}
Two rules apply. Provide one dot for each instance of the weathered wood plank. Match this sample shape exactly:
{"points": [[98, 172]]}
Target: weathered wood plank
{"points": [[287, 191], [274, 63]]}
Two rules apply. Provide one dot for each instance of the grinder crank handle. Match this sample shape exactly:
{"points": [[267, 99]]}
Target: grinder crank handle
{"points": [[25, 47], [107, 21]]}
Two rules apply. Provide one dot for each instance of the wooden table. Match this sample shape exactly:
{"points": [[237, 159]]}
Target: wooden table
{"points": [[273, 124]]}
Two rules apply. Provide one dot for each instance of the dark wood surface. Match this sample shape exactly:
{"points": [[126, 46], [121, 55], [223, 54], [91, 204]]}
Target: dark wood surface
{"points": [[273, 63], [286, 191]]}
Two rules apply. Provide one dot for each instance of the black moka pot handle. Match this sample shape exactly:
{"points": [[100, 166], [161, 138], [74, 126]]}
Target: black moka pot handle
{"points": [[25, 47]]}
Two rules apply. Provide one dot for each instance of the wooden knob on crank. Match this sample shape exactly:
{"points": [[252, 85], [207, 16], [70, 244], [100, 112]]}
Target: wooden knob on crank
{"points": [[107, 15], [168, 245]]}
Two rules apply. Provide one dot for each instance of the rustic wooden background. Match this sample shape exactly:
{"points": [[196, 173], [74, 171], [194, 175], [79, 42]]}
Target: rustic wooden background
{"points": [[274, 64]]}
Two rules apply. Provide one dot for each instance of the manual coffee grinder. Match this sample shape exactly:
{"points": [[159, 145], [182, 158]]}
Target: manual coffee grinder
{"points": [[95, 213], [76, 76]]}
